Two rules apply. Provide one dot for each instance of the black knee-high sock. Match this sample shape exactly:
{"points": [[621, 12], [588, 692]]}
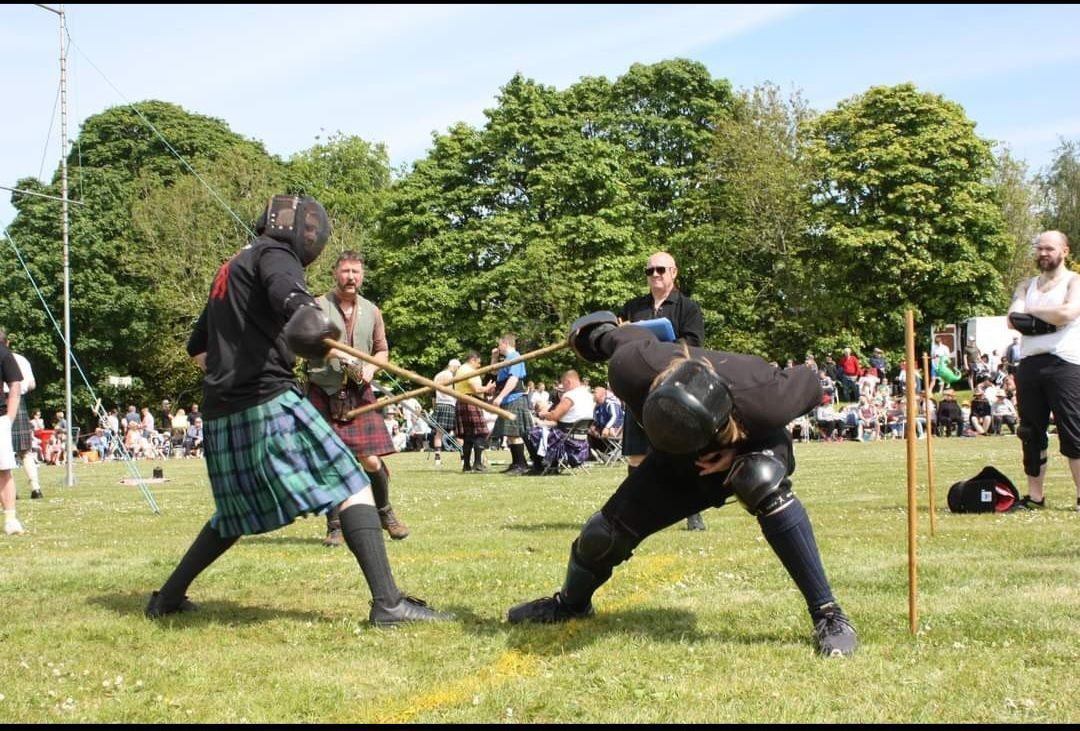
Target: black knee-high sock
{"points": [[533, 454], [207, 548], [380, 485], [517, 453], [478, 449], [792, 538], [363, 535], [466, 452]]}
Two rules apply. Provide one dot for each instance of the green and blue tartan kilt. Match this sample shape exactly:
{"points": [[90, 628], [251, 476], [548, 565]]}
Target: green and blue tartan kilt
{"points": [[519, 407], [22, 438], [444, 416], [274, 462]]}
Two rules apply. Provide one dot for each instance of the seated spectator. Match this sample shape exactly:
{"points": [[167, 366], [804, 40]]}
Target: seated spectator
{"points": [[98, 442], [950, 418], [869, 423], [607, 419], [55, 453], [982, 419], [830, 424], [1003, 411], [193, 439], [576, 404], [178, 427]]}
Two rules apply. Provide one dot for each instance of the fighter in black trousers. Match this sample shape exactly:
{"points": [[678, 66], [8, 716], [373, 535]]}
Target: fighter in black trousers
{"points": [[716, 424]]}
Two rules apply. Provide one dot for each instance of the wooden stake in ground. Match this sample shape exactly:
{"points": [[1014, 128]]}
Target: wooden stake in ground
{"points": [[913, 516]]}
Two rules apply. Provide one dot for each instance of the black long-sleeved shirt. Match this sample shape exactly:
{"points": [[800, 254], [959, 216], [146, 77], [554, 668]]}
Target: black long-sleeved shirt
{"points": [[765, 398], [684, 314], [240, 328]]}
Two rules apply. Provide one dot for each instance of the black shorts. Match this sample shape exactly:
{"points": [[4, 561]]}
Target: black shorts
{"points": [[1045, 383]]}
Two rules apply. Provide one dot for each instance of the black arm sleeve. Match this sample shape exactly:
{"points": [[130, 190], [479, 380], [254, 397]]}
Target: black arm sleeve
{"points": [[692, 327], [283, 277], [197, 342]]}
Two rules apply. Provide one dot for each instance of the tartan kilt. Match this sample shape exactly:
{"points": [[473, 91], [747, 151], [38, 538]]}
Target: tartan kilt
{"points": [[274, 462], [366, 435], [445, 416], [519, 407], [22, 438], [469, 421]]}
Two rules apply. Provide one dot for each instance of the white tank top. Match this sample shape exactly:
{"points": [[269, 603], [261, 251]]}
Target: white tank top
{"points": [[582, 407], [1065, 343], [440, 397]]}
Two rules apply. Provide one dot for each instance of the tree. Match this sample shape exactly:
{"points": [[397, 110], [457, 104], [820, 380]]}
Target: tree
{"points": [[548, 211], [903, 215], [119, 169], [749, 273], [1060, 190], [1017, 197]]}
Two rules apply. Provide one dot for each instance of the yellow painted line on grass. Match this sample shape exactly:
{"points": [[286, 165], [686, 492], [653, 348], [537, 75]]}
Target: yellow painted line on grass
{"points": [[516, 664]]}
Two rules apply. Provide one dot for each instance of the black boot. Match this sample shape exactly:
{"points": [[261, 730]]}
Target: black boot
{"points": [[333, 530]]}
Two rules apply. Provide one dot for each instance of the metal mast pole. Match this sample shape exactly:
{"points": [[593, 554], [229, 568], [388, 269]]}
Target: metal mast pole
{"points": [[70, 476]]}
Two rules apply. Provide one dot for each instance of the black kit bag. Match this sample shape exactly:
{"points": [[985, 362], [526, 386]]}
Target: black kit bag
{"points": [[987, 492]]}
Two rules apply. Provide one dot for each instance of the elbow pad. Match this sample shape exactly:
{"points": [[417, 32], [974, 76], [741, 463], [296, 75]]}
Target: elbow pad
{"points": [[1028, 324]]}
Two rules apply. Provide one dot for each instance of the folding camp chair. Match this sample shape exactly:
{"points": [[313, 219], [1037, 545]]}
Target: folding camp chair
{"points": [[568, 450]]}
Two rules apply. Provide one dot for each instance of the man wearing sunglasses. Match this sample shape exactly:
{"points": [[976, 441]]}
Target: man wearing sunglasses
{"points": [[663, 300]]}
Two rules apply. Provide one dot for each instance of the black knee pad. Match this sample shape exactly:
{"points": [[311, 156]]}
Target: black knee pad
{"points": [[601, 545], [1033, 445]]}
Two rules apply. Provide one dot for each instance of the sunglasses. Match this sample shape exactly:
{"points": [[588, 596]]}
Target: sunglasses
{"points": [[649, 271]]}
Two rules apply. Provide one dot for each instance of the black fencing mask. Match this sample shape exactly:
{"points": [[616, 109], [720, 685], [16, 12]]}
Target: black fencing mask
{"points": [[683, 413], [298, 221]]}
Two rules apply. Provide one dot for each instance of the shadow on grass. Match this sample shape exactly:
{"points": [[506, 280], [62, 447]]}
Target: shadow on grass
{"points": [[270, 540], [212, 612], [660, 625], [536, 527]]}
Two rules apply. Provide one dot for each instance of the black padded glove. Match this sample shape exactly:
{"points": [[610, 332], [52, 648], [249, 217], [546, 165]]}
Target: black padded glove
{"points": [[586, 332], [1029, 324], [306, 329]]}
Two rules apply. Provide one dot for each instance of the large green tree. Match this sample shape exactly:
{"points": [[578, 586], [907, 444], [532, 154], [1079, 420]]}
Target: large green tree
{"points": [[135, 249], [749, 273], [548, 211], [904, 215]]}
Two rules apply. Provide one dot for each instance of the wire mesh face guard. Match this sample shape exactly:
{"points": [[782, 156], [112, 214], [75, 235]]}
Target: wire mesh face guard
{"points": [[300, 222], [683, 413]]}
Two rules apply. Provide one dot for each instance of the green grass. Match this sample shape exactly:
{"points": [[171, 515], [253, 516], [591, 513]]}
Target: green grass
{"points": [[697, 627]]}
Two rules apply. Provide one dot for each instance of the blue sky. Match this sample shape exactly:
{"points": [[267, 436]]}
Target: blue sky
{"points": [[394, 74]]}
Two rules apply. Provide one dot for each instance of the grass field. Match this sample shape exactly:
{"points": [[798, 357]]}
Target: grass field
{"points": [[697, 627]]}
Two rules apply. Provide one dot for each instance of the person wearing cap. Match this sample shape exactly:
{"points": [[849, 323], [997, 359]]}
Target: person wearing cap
{"points": [[445, 409], [716, 422], [950, 417], [1003, 411]]}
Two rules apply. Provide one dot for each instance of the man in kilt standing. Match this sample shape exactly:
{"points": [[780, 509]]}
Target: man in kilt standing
{"points": [[445, 409], [510, 394], [469, 422], [270, 455], [335, 387]]}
